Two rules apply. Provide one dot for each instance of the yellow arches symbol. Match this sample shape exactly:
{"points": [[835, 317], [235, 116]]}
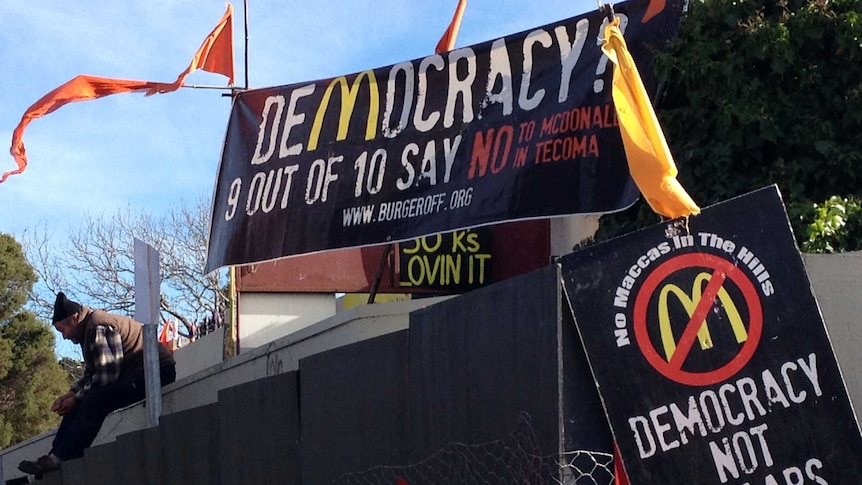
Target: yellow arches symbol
{"points": [[349, 95], [667, 338]]}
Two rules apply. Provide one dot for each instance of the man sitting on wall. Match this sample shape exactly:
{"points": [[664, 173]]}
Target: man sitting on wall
{"points": [[113, 350]]}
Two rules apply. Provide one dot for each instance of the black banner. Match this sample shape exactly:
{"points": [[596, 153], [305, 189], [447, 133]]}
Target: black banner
{"points": [[710, 353], [516, 128]]}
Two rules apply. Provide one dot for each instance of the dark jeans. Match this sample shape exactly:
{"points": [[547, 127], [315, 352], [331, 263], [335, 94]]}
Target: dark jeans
{"points": [[81, 425]]}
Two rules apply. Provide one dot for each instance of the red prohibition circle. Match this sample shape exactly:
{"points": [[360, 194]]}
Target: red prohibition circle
{"points": [[724, 268]]}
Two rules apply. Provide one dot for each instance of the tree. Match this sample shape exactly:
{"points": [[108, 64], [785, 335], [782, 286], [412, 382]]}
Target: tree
{"points": [[74, 369], [16, 277], [758, 92], [98, 265], [30, 377]]}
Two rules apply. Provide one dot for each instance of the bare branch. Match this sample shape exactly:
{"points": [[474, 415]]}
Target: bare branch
{"points": [[94, 263]]}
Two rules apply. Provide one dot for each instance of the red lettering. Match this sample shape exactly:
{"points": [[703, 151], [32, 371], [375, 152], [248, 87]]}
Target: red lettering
{"points": [[499, 162], [480, 155]]}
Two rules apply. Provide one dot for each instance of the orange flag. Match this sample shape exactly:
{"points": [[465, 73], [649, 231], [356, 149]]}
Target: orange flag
{"points": [[81, 88], [447, 42], [168, 335], [650, 162], [215, 55]]}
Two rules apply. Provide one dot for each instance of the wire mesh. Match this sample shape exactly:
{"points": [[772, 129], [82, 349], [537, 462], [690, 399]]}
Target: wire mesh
{"points": [[512, 460]]}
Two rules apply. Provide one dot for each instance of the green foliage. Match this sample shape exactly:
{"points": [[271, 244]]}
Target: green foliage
{"points": [[761, 92], [30, 378], [16, 277], [835, 225], [33, 381]]}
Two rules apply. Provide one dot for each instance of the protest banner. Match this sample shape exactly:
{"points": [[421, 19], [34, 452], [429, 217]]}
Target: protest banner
{"points": [[710, 352], [517, 128]]}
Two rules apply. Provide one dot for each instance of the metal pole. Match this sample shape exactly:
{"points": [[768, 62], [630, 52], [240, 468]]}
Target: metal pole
{"points": [[231, 324], [245, 12], [204, 86], [147, 299], [376, 283]]}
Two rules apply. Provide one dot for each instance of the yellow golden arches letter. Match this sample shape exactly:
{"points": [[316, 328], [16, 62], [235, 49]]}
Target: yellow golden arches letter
{"points": [[650, 162], [348, 103], [667, 338]]}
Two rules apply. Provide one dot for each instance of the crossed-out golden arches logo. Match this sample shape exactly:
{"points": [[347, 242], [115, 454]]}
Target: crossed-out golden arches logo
{"points": [[676, 330]]}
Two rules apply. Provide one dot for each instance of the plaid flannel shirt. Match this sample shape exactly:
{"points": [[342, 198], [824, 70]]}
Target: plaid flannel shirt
{"points": [[106, 350]]}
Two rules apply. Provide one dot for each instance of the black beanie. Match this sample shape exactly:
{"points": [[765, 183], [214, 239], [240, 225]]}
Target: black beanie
{"points": [[64, 307]]}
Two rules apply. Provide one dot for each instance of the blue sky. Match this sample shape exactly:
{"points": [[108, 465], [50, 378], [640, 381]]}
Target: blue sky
{"points": [[148, 154]]}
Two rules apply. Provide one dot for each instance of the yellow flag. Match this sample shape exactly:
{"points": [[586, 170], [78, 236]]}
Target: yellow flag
{"points": [[650, 162]]}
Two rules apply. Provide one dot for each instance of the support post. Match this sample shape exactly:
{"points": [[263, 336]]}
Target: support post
{"points": [[376, 283], [147, 306], [231, 332]]}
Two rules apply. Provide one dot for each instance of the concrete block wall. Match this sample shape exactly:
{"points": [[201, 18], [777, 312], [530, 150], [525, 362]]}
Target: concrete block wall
{"points": [[837, 283]]}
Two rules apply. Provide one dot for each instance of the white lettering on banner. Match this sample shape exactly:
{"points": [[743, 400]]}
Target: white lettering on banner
{"points": [[621, 299], [792, 475], [745, 256], [428, 163], [420, 122], [500, 68], [415, 207], [355, 216], [376, 170], [740, 452], [671, 426], [460, 87], [264, 191], [291, 119], [321, 176], [266, 187], [570, 53], [461, 71], [278, 102], [527, 101], [407, 99], [233, 198], [756, 267], [406, 181], [741, 257]]}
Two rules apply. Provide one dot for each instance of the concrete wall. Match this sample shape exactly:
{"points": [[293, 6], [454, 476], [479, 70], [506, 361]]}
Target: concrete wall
{"points": [[204, 352], [268, 316], [837, 283], [282, 355]]}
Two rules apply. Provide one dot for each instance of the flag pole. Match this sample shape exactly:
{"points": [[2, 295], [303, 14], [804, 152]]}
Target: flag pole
{"points": [[205, 86], [245, 29]]}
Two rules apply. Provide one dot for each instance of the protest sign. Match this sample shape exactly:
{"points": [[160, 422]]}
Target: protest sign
{"points": [[710, 352]]}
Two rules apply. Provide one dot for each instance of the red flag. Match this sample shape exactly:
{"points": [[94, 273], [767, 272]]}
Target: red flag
{"points": [[165, 337], [619, 472], [80, 88], [447, 42], [214, 55]]}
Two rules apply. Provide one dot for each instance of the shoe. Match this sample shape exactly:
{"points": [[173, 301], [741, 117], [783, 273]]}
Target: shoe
{"points": [[43, 464]]}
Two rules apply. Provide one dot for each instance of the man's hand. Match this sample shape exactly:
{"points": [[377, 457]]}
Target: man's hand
{"points": [[64, 403]]}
